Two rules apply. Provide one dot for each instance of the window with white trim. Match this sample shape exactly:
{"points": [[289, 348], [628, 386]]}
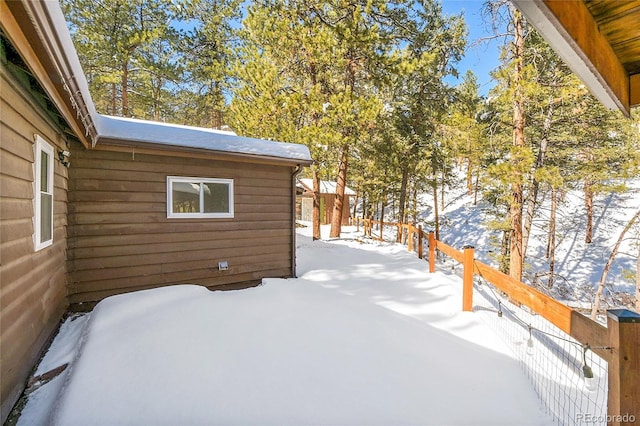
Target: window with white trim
{"points": [[194, 197], [43, 194]]}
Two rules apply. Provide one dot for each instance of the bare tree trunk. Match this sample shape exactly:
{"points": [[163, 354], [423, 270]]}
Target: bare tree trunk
{"points": [[551, 245], [442, 190], [515, 238], [504, 252], [403, 195], [125, 89], [384, 197], [532, 199], [607, 267], [469, 176], [355, 207], [113, 99], [316, 203], [476, 187], [515, 209], [435, 208], [588, 204], [341, 182], [415, 204]]}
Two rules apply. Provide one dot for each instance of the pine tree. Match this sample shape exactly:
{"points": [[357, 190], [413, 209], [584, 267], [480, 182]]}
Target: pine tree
{"points": [[317, 85], [208, 45], [603, 152], [118, 43], [464, 130], [418, 98], [509, 99]]}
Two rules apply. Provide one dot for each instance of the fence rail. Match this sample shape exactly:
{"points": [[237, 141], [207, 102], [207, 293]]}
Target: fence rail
{"points": [[618, 343]]}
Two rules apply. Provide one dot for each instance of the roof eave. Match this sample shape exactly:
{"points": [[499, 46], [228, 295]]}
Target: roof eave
{"points": [[137, 147], [39, 33], [572, 32]]}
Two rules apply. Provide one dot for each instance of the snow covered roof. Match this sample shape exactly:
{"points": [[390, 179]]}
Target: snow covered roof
{"points": [[326, 187], [48, 30], [175, 135]]}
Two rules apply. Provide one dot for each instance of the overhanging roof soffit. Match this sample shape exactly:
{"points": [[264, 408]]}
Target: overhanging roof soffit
{"points": [[598, 39]]}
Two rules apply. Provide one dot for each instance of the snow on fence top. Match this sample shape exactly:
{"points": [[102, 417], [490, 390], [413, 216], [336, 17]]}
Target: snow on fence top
{"points": [[153, 132]]}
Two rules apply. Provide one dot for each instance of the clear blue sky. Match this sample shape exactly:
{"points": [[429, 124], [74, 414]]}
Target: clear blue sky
{"points": [[482, 58]]}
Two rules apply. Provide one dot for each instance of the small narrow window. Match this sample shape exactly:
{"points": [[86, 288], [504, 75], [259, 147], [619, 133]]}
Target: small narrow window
{"points": [[190, 197], [43, 194]]}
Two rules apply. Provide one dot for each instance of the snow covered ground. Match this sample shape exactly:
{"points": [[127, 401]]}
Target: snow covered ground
{"points": [[364, 336], [578, 265]]}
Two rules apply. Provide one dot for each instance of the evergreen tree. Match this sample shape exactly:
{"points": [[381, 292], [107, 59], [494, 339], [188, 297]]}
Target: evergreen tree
{"points": [[318, 85], [507, 131], [283, 85], [464, 130], [568, 140], [601, 153], [122, 46], [208, 47], [419, 97]]}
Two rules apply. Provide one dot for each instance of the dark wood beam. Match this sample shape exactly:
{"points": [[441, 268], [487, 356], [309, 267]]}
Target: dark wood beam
{"points": [[573, 33]]}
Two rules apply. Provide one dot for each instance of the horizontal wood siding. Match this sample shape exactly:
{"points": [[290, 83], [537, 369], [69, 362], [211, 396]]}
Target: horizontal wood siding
{"points": [[121, 240], [33, 284]]}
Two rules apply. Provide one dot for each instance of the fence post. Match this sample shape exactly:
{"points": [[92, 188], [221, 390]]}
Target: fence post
{"points": [[420, 242], [467, 279], [432, 252], [399, 239], [623, 405], [371, 226]]}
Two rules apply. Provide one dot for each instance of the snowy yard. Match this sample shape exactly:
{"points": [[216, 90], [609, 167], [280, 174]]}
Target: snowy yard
{"points": [[364, 336]]}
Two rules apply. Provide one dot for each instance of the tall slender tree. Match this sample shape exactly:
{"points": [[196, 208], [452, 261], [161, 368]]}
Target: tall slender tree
{"points": [[516, 250], [318, 86], [115, 41], [208, 45]]}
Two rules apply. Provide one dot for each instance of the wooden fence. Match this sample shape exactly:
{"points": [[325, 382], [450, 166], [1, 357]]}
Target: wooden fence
{"points": [[618, 343]]}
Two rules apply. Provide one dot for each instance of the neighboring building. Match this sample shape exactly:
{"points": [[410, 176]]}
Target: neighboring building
{"points": [[93, 205], [327, 201]]}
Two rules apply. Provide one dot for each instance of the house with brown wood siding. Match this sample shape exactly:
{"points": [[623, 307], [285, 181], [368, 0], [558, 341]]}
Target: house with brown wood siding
{"points": [[328, 194], [92, 205]]}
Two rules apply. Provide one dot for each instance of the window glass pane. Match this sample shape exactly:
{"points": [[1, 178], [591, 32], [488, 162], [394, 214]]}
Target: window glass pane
{"points": [[44, 171], [216, 198], [186, 197], [46, 217]]}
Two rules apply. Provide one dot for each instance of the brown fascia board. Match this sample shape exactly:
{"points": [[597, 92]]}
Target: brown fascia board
{"points": [[38, 32], [572, 32], [634, 90]]}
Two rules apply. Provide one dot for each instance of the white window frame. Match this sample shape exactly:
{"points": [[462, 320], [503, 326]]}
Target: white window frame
{"points": [[198, 180], [41, 146]]}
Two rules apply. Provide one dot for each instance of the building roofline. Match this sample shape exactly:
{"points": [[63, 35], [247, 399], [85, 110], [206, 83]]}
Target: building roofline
{"points": [[39, 32], [120, 131]]}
